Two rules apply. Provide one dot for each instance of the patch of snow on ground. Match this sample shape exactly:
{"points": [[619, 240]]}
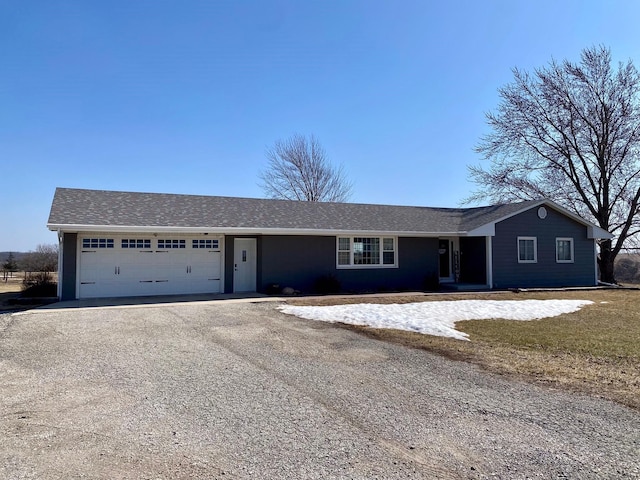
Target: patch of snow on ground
{"points": [[436, 318]]}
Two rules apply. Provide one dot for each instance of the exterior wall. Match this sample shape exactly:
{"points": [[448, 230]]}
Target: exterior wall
{"points": [[546, 272], [299, 261], [473, 260], [69, 266]]}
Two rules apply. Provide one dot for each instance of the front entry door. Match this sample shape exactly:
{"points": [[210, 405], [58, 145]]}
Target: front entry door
{"points": [[449, 259], [444, 250], [244, 265]]}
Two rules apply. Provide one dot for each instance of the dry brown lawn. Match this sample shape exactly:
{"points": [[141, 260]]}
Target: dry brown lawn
{"points": [[595, 350], [13, 284]]}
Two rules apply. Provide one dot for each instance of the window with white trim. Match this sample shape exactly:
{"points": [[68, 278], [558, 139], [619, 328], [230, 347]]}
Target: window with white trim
{"points": [[527, 249], [564, 250], [363, 252]]}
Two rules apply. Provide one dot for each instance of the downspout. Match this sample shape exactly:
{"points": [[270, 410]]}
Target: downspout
{"points": [[595, 260], [489, 262], [60, 248]]}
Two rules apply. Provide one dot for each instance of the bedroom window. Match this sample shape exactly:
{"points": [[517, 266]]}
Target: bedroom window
{"points": [[363, 252], [564, 250], [527, 250]]}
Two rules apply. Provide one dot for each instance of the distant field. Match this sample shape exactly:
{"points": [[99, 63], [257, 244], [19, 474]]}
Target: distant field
{"points": [[13, 284], [595, 350]]}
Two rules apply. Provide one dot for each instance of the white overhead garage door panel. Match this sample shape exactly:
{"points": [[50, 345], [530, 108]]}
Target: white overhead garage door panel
{"points": [[115, 266]]}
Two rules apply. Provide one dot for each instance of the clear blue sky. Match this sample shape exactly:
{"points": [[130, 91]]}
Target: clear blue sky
{"points": [[185, 96]]}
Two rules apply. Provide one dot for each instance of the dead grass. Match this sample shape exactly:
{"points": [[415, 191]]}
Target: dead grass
{"points": [[13, 284], [595, 350]]}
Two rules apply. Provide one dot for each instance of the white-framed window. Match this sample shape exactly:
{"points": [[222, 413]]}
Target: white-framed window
{"points": [[527, 249], [564, 250], [366, 252]]}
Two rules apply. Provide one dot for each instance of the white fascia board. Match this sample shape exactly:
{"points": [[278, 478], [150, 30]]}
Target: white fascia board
{"points": [[487, 230], [598, 233], [243, 231]]}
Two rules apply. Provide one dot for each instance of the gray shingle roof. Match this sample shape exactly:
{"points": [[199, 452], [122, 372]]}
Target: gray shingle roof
{"points": [[94, 208]]}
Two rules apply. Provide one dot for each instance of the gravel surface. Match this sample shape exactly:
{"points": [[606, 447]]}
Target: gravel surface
{"points": [[240, 390]]}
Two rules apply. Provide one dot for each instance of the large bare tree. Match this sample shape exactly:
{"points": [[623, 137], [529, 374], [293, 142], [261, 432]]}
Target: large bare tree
{"points": [[570, 132], [298, 169]]}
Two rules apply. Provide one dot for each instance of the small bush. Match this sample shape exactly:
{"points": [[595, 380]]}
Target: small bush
{"points": [[327, 284], [39, 284]]}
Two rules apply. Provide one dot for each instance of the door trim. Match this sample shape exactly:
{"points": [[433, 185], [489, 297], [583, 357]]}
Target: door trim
{"points": [[250, 245]]}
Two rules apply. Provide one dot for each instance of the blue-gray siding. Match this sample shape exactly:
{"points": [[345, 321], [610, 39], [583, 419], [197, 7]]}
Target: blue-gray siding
{"points": [[69, 266], [300, 261], [508, 273]]}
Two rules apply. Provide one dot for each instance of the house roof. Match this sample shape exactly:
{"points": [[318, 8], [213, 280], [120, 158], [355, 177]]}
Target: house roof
{"points": [[93, 210]]}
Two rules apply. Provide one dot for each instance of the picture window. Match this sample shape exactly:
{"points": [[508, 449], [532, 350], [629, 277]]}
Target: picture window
{"points": [[366, 252]]}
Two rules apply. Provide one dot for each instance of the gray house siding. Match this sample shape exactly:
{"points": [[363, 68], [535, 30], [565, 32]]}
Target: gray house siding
{"points": [[473, 260], [69, 266], [546, 272], [300, 261]]}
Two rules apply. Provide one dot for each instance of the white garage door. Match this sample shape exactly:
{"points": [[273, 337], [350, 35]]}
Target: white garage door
{"points": [[112, 266]]}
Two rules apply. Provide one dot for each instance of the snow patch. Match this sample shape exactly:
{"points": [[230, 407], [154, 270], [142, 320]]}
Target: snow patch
{"points": [[436, 318]]}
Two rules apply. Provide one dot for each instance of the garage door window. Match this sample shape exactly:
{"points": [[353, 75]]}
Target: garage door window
{"points": [[97, 243], [136, 243], [164, 244], [208, 243]]}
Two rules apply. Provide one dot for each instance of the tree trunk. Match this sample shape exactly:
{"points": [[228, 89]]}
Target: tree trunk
{"points": [[606, 262]]}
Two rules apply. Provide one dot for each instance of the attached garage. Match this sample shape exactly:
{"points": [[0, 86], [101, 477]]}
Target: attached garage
{"points": [[139, 265]]}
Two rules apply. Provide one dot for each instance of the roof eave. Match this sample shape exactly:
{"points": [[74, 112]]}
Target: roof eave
{"points": [[78, 228]]}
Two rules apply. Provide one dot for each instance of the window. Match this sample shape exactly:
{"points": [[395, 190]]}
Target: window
{"points": [[166, 244], [136, 243], [527, 250], [564, 250], [366, 251], [208, 243], [97, 243]]}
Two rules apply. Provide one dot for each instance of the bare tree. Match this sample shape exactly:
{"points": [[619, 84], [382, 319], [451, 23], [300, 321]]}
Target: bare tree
{"points": [[298, 169], [570, 132], [39, 264]]}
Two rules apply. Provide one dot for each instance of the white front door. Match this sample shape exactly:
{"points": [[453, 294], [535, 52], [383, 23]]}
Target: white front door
{"points": [[244, 265]]}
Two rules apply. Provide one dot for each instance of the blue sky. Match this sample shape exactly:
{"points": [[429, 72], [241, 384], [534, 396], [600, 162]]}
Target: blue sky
{"points": [[185, 96]]}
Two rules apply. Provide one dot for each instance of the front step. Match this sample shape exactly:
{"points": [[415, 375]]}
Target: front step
{"points": [[464, 287]]}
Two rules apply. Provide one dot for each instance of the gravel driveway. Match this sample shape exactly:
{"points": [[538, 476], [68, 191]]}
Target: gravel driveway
{"points": [[239, 390]]}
